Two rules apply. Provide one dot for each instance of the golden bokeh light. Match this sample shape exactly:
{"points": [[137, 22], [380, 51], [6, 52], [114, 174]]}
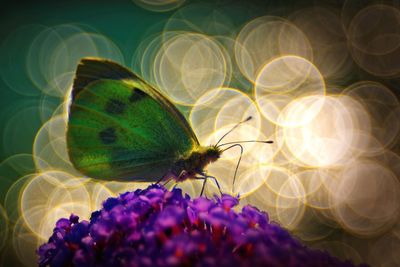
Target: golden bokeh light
{"points": [[55, 52], [374, 38], [266, 38], [287, 79], [327, 139], [188, 65], [159, 5]]}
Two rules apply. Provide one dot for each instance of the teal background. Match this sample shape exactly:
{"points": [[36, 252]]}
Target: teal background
{"points": [[121, 21]]}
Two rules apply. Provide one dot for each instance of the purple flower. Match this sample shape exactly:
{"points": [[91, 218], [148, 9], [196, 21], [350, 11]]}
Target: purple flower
{"points": [[157, 227]]}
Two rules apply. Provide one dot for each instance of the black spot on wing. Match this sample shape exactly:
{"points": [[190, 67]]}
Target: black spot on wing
{"points": [[115, 106], [137, 95], [108, 136]]}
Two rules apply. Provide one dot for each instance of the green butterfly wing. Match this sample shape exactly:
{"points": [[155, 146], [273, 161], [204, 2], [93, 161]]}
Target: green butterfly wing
{"points": [[120, 128]]}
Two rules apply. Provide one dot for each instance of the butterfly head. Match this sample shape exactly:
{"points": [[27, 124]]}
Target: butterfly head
{"points": [[212, 154]]}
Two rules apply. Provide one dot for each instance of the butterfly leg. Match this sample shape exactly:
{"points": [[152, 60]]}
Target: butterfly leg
{"points": [[161, 179], [173, 177], [204, 178], [215, 180], [165, 179], [167, 182]]}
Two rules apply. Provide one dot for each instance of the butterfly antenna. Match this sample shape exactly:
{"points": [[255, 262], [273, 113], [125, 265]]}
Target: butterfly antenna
{"points": [[238, 163], [233, 128], [248, 141]]}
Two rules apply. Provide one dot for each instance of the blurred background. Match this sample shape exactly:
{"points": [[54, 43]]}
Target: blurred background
{"points": [[320, 78]]}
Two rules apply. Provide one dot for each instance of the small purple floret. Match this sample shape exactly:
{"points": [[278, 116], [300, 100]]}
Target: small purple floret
{"points": [[157, 227]]}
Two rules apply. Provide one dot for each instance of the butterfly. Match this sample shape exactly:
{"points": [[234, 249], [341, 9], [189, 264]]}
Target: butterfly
{"points": [[121, 128]]}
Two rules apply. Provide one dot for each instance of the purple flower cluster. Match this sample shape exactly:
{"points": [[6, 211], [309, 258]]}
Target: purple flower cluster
{"points": [[157, 227]]}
